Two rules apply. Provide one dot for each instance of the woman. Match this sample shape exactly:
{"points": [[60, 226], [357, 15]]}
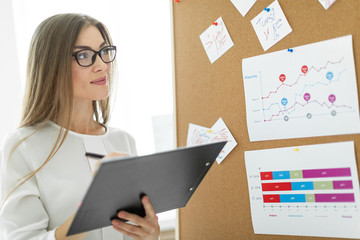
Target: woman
{"points": [[45, 173]]}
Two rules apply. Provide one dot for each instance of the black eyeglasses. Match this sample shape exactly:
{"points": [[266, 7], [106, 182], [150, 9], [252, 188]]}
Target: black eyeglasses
{"points": [[87, 57]]}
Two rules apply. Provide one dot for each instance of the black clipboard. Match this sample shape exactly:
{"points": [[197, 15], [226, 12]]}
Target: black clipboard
{"points": [[169, 179]]}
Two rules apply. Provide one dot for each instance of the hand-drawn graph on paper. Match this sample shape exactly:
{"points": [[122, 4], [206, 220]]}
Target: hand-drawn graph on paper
{"points": [[306, 91]]}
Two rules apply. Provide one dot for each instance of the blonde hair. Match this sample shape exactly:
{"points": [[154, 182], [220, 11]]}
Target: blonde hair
{"points": [[48, 93]]}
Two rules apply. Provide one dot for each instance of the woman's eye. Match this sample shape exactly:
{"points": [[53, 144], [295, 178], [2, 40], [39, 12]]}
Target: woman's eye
{"points": [[104, 52], [83, 55]]}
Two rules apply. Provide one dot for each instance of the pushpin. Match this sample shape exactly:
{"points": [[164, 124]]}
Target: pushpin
{"points": [[215, 23], [290, 50], [267, 9], [296, 149], [177, 1], [209, 131]]}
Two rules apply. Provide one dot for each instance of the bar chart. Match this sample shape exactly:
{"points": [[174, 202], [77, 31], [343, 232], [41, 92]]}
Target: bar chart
{"points": [[311, 186], [293, 189]]}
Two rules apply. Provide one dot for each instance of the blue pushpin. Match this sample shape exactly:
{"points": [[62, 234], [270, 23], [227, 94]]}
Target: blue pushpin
{"points": [[267, 9], [290, 50]]}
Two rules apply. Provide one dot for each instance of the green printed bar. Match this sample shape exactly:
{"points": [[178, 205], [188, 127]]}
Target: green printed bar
{"points": [[310, 197], [323, 185], [296, 174]]}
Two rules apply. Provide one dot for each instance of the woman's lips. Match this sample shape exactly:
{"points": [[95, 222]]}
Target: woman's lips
{"points": [[99, 81]]}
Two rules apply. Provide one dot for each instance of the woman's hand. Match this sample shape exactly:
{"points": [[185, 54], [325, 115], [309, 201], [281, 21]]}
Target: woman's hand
{"points": [[113, 154], [146, 228]]}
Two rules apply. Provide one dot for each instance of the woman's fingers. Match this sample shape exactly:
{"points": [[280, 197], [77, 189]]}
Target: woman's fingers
{"points": [[144, 228], [116, 154], [136, 219], [149, 209], [140, 229], [97, 165], [130, 230], [111, 155]]}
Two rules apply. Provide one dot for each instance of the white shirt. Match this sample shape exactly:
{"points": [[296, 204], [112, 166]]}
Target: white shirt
{"points": [[48, 199]]}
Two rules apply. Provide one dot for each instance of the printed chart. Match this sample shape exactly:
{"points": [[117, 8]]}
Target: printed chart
{"points": [[302, 92], [302, 187]]}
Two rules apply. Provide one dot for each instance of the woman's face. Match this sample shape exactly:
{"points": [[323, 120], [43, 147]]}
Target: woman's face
{"points": [[91, 83]]}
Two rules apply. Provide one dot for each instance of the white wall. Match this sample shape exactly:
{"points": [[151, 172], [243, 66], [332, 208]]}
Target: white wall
{"points": [[10, 87]]}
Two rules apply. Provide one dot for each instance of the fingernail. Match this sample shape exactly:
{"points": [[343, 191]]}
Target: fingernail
{"points": [[121, 214]]}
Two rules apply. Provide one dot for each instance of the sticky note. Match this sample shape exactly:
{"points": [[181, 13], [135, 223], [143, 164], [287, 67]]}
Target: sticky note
{"points": [[216, 40], [271, 25], [326, 3], [219, 132], [243, 6]]}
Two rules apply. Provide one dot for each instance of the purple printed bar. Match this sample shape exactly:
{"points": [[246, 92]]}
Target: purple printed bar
{"points": [[336, 197], [343, 184], [331, 172]]}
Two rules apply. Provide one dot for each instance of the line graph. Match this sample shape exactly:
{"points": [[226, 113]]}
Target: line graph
{"points": [[299, 93], [306, 96], [305, 70], [289, 109], [303, 105]]}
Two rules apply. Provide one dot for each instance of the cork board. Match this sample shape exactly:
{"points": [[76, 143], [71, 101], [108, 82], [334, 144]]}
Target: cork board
{"points": [[220, 208]]}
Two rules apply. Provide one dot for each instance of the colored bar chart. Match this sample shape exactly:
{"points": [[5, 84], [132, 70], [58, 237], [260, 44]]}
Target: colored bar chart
{"points": [[308, 173], [298, 198], [295, 190], [319, 185], [270, 184]]}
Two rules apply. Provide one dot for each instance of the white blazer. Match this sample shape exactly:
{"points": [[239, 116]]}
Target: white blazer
{"points": [[48, 199]]}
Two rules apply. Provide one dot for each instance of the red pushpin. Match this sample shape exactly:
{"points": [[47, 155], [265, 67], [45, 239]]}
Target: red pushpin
{"points": [[177, 1], [215, 23]]}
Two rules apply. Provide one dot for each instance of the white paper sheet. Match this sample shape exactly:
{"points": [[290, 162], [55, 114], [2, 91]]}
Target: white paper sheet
{"points": [[216, 40], [306, 190], [309, 92], [243, 6], [219, 132], [326, 3], [271, 26]]}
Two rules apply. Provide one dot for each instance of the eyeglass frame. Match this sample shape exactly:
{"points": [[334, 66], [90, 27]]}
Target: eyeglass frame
{"points": [[94, 56]]}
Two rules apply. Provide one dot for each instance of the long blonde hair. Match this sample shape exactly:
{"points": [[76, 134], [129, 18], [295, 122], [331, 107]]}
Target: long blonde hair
{"points": [[48, 93]]}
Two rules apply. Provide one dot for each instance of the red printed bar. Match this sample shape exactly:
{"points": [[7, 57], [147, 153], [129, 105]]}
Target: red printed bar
{"points": [[274, 198], [266, 176], [283, 186]]}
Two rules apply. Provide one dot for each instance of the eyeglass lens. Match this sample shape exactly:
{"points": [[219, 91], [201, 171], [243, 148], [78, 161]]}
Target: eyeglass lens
{"points": [[87, 57]]}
